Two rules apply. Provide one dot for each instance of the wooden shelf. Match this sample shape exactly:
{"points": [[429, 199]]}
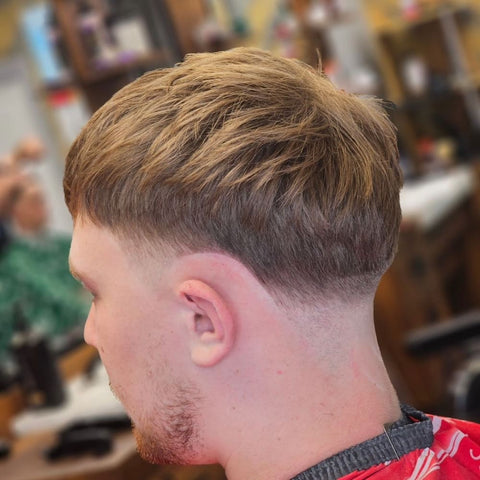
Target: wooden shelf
{"points": [[441, 38], [99, 82], [402, 24]]}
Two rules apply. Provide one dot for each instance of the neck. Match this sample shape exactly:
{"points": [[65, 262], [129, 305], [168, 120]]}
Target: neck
{"points": [[311, 415]]}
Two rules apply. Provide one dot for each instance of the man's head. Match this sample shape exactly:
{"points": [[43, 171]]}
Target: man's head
{"points": [[248, 154], [213, 202]]}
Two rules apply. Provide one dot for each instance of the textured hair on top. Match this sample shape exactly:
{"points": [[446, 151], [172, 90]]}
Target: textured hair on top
{"points": [[249, 154]]}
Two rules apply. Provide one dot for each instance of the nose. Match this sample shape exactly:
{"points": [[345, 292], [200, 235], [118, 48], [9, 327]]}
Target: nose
{"points": [[89, 331]]}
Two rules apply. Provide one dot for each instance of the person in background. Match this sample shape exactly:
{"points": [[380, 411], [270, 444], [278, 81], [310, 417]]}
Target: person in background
{"points": [[29, 212], [233, 216], [29, 149], [34, 273]]}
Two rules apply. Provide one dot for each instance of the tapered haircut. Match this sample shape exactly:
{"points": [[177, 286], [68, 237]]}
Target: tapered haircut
{"points": [[249, 154]]}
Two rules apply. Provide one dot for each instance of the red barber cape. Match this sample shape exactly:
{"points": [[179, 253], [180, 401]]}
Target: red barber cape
{"points": [[454, 455]]}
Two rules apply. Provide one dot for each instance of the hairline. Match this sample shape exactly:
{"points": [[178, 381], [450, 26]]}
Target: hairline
{"points": [[162, 250]]}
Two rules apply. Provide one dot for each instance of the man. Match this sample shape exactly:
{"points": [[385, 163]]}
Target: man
{"points": [[12, 177], [233, 216]]}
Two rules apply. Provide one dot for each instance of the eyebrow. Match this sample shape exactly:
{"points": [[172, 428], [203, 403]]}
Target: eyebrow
{"points": [[82, 278], [73, 271]]}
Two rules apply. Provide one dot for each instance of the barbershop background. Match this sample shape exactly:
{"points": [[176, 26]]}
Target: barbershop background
{"points": [[62, 59]]}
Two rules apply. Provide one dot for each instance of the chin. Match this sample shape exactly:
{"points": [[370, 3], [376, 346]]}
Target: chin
{"points": [[168, 431], [163, 451]]}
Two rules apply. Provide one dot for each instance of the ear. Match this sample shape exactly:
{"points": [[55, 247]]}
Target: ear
{"points": [[210, 323]]}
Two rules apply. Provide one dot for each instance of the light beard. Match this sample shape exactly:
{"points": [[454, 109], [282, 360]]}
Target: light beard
{"points": [[169, 435]]}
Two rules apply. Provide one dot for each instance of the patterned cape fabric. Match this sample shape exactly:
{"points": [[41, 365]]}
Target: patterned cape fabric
{"points": [[454, 455], [34, 276]]}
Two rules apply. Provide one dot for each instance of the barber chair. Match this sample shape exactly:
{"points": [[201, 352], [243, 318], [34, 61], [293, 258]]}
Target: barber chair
{"points": [[462, 331]]}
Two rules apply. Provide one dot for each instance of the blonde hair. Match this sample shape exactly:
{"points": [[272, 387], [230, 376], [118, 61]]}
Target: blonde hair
{"points": [[249, 154]]}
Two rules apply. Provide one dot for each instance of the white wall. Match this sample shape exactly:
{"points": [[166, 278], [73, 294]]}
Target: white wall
{"points": [[21, 114]]}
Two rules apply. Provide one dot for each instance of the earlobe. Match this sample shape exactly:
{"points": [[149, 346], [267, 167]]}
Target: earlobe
{"points": [[210, 322]]}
